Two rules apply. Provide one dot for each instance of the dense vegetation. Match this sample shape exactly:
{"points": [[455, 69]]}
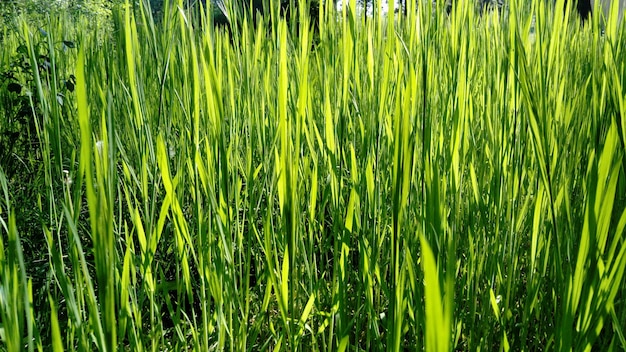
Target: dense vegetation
{"points": [[427, 181]]}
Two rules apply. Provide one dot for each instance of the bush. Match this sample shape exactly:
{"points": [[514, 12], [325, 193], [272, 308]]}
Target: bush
{"points": [[36, 11]]}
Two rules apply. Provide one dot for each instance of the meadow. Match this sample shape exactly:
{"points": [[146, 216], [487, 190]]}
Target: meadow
{"points": [[396, 182]]}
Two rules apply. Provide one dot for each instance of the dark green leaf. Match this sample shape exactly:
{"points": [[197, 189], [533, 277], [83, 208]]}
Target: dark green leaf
{"points": [[22, 49]]}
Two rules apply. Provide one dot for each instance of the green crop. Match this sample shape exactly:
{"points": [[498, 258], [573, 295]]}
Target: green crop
{"points": [[396, 182]]}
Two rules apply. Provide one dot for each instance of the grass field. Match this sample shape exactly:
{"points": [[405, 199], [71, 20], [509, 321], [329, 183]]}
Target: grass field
{"points": [[422, 182]]}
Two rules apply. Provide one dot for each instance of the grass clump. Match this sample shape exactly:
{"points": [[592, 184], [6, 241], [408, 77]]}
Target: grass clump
{"points": [[416, 182]]}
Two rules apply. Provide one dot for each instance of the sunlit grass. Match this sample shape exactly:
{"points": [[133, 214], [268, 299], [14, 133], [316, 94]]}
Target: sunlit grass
{"points": [[420, 182]]}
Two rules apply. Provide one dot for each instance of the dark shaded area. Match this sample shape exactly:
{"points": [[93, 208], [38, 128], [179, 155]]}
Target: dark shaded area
{"points": [[583, 7], [254, 8]]}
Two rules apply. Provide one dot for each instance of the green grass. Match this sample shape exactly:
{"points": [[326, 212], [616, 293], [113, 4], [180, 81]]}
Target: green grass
{"points": [[427, 182]]}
